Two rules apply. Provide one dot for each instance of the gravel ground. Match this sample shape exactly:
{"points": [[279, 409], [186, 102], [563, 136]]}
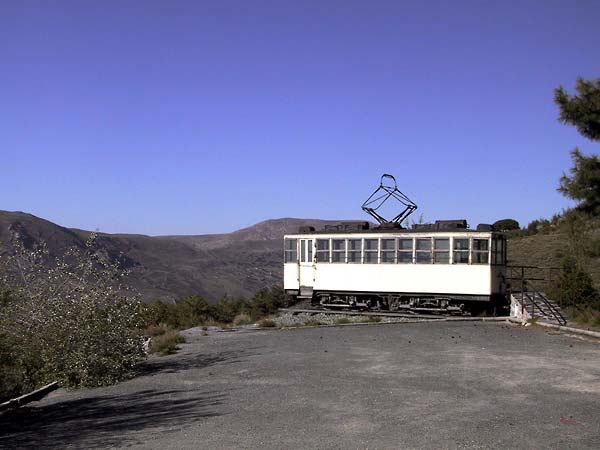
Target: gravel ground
{"points": [[441, 385], [291, 320]]}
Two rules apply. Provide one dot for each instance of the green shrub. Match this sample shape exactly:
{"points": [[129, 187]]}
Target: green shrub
{"points": [[539, 226], [584, 316], [166, 344], [158, 312], [187, 313], [506, 225], [266, 302], [12, 383], [70, 319], [593, 249], [227, 308], [156, 330], [574, 287], [191, 311], [194, 310]]}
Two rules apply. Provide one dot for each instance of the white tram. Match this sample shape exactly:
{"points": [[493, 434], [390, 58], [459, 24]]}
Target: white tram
{"points": [[439, 267]]}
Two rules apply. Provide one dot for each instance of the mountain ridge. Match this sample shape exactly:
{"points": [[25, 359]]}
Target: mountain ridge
{"points": [[169, 267]]}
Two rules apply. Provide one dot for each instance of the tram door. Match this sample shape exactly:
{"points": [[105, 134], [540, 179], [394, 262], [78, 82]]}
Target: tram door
{"points": [[306, 266]]}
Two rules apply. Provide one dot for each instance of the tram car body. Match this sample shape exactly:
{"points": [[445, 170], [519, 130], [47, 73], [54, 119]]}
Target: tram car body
{"points": [[444, 267]]}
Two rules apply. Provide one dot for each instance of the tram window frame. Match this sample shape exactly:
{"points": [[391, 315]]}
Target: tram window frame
{"points": [[405, 252], [338, 255], [290, 250], [387, 255], [353, 252], [438, 253], [460, 251], [323, 254], [498, 251], [420, 252], [479, 256], [370, 255]]}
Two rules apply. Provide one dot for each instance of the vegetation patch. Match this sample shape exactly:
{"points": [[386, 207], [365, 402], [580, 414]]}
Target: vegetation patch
{"points": [[585, 317], [571, 240], [312, 322], [267, 323], [342, 321], [156, 330], [67, 319], [196, 311], [166, 343], [242, 319], [374, 319]]}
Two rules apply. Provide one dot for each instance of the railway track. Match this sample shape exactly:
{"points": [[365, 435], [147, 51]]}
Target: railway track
{"points": [[432, 317]]}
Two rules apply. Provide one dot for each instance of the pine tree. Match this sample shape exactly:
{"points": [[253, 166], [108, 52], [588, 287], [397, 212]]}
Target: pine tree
{"points": [[583, 112]]}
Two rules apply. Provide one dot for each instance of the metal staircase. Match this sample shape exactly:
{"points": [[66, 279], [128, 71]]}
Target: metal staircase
{"points": [[531, 299], [538, 306]]}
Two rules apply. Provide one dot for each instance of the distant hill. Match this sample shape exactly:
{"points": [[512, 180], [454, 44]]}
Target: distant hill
{"points": [[171, 267]]}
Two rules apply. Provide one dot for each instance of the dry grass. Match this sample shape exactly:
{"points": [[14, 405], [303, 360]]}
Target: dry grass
{"points": [[374, 319], [584, 318], [242, 319], [166, 343], [214, 323], [342, 320], [548, 250], [156, 330], [312, 323], [267, 323]]}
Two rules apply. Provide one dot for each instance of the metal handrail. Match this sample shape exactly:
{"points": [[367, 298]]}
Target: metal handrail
{"points": [[555, 312], [532, 302], [534, 292]]}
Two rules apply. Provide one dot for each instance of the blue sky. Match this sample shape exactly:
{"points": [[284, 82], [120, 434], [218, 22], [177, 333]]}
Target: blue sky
{"points": [[191, 117]]}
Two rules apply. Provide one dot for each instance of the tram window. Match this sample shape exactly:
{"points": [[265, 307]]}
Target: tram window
{"points": [[388, 250], [354, 250], [309, 246], [291, 250], [495, 251], [323, 250], [405, 251], [441, 253], [480, 251], [461, 251], [371, 250], [498, 256], [424, 251], [338, 251]]}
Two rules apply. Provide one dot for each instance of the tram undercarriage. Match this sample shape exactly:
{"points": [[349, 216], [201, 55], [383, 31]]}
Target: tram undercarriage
{"points": [[441, 304]]}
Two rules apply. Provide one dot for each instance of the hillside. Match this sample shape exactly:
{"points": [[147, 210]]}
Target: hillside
{"points": [[171, 267], [547, 249]]}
